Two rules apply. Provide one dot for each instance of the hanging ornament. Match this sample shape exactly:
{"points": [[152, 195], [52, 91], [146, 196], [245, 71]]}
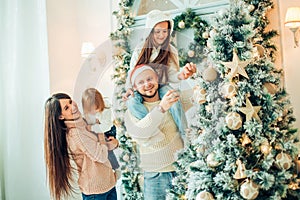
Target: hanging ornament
{"points": [[191, 53], [245, 139], [258, 51], [233, 121], [283, 161], [199, 95], [236, 66], [204, 195], [212, 161], [271, 88], [251, 7], [212, 33], [228, 90], [240, 172], [126, 157], [249, 190], [205, 34], [265, 148], [209, 74], [250, 111], [181, 24]]}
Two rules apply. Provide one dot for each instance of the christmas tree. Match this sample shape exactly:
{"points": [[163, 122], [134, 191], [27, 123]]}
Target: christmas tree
{"points": [[242, 142]]}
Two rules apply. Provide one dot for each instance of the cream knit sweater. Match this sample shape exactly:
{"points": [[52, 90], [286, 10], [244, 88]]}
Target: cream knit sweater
{"points": [[157, 136], [94, 169]]}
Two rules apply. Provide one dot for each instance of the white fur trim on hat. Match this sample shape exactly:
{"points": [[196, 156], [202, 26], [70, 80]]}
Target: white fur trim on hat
{"points": [[153, 18], [137, 70]]}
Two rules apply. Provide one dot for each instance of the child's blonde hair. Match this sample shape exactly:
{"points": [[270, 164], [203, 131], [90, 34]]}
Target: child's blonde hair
{"points": [[91, 97]]}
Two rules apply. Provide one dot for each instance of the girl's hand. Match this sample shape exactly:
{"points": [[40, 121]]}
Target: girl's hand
{"points": [[169, 99], [188, 70], [128, 93]]}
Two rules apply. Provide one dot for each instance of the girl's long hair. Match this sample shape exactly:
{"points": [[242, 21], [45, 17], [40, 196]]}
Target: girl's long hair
{"points": [[161, 62], [58, 167]]}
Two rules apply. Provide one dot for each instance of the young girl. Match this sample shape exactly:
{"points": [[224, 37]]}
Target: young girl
{"points": [[66, 137], [97, 114], [157, 52]]}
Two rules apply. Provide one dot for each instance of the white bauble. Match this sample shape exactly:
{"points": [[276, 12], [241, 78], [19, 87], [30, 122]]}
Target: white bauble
{"points": [[283, 161], [191, 53], [199, 95], [212, 32], [211, 160], [251, 7], [126, 157], [204, 195], [249, 190], [228, 90], [209, 74], [233, 121], [181, 24]]}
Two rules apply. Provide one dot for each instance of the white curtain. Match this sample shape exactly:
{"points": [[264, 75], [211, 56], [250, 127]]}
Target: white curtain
{"points": [[24, 87]]}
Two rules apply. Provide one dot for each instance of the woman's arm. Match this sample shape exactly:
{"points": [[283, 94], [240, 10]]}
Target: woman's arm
{"points": [[94, 148]]}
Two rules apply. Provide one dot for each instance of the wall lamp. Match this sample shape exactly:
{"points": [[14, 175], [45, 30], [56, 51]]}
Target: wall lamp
{"points": [[292, 21]]}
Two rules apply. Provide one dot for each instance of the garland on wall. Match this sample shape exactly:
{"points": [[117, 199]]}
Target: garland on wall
{"points": [[132, 179]]}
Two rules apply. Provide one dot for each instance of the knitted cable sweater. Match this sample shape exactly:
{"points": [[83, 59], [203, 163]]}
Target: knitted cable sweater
{"points": [[94, 169], [157, 136]]}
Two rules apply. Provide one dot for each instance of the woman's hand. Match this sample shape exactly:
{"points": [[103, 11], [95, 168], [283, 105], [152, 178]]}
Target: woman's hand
{"points": [[188, 70], [112, 143], [169, 99], [128, 93], [101, 138]]}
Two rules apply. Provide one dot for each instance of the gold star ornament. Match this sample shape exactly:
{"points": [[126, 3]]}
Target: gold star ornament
{"points": [[250, 111], [236, 66]]}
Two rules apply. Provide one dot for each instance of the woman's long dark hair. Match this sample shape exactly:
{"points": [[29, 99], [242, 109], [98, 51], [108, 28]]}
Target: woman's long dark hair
{"points": [[160, 63], [58, 167]]}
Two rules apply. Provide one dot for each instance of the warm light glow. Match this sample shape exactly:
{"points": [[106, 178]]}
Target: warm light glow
{"points": [[87, 49], [292, 21], [292, 17]]}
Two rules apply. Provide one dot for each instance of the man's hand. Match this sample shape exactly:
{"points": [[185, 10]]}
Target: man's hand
{"points": [[128, 93], [169, 99], [188, 70]]}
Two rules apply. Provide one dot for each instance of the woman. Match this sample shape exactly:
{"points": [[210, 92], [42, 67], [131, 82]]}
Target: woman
{"points": [[66, 137]]}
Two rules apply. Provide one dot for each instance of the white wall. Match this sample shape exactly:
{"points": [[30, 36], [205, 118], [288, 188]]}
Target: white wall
{"points": [[70, 23], [291, 59]]}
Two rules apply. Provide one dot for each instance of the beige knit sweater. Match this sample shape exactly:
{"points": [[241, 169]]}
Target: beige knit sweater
{"points": [[94, 170], [157, 136]]}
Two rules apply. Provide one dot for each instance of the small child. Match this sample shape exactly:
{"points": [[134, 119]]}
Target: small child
{"points": [[98, 116]]}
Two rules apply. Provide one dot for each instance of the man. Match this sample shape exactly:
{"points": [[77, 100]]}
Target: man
{"points": [[156, 134]]}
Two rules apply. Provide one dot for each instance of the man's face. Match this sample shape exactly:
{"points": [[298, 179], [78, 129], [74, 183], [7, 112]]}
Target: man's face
{"points": [[146, 83]]}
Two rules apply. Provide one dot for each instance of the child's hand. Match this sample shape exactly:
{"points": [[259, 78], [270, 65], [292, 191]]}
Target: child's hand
{"points": [[112, 143], [188, 70], [128, 93]]}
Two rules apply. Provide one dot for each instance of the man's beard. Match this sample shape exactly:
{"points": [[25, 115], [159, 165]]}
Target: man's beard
{"points": [[148, 96]]}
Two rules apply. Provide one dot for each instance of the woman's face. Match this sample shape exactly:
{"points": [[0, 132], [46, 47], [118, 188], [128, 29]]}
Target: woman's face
{"points": [[160, 33], [69, 110]]}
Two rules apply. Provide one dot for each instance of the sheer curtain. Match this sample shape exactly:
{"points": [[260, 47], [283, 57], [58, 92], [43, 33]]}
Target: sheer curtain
{"points": [[24, 87]]}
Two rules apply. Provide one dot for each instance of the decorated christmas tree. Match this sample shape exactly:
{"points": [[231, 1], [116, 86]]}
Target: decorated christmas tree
{"points": [[242, 140]]}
